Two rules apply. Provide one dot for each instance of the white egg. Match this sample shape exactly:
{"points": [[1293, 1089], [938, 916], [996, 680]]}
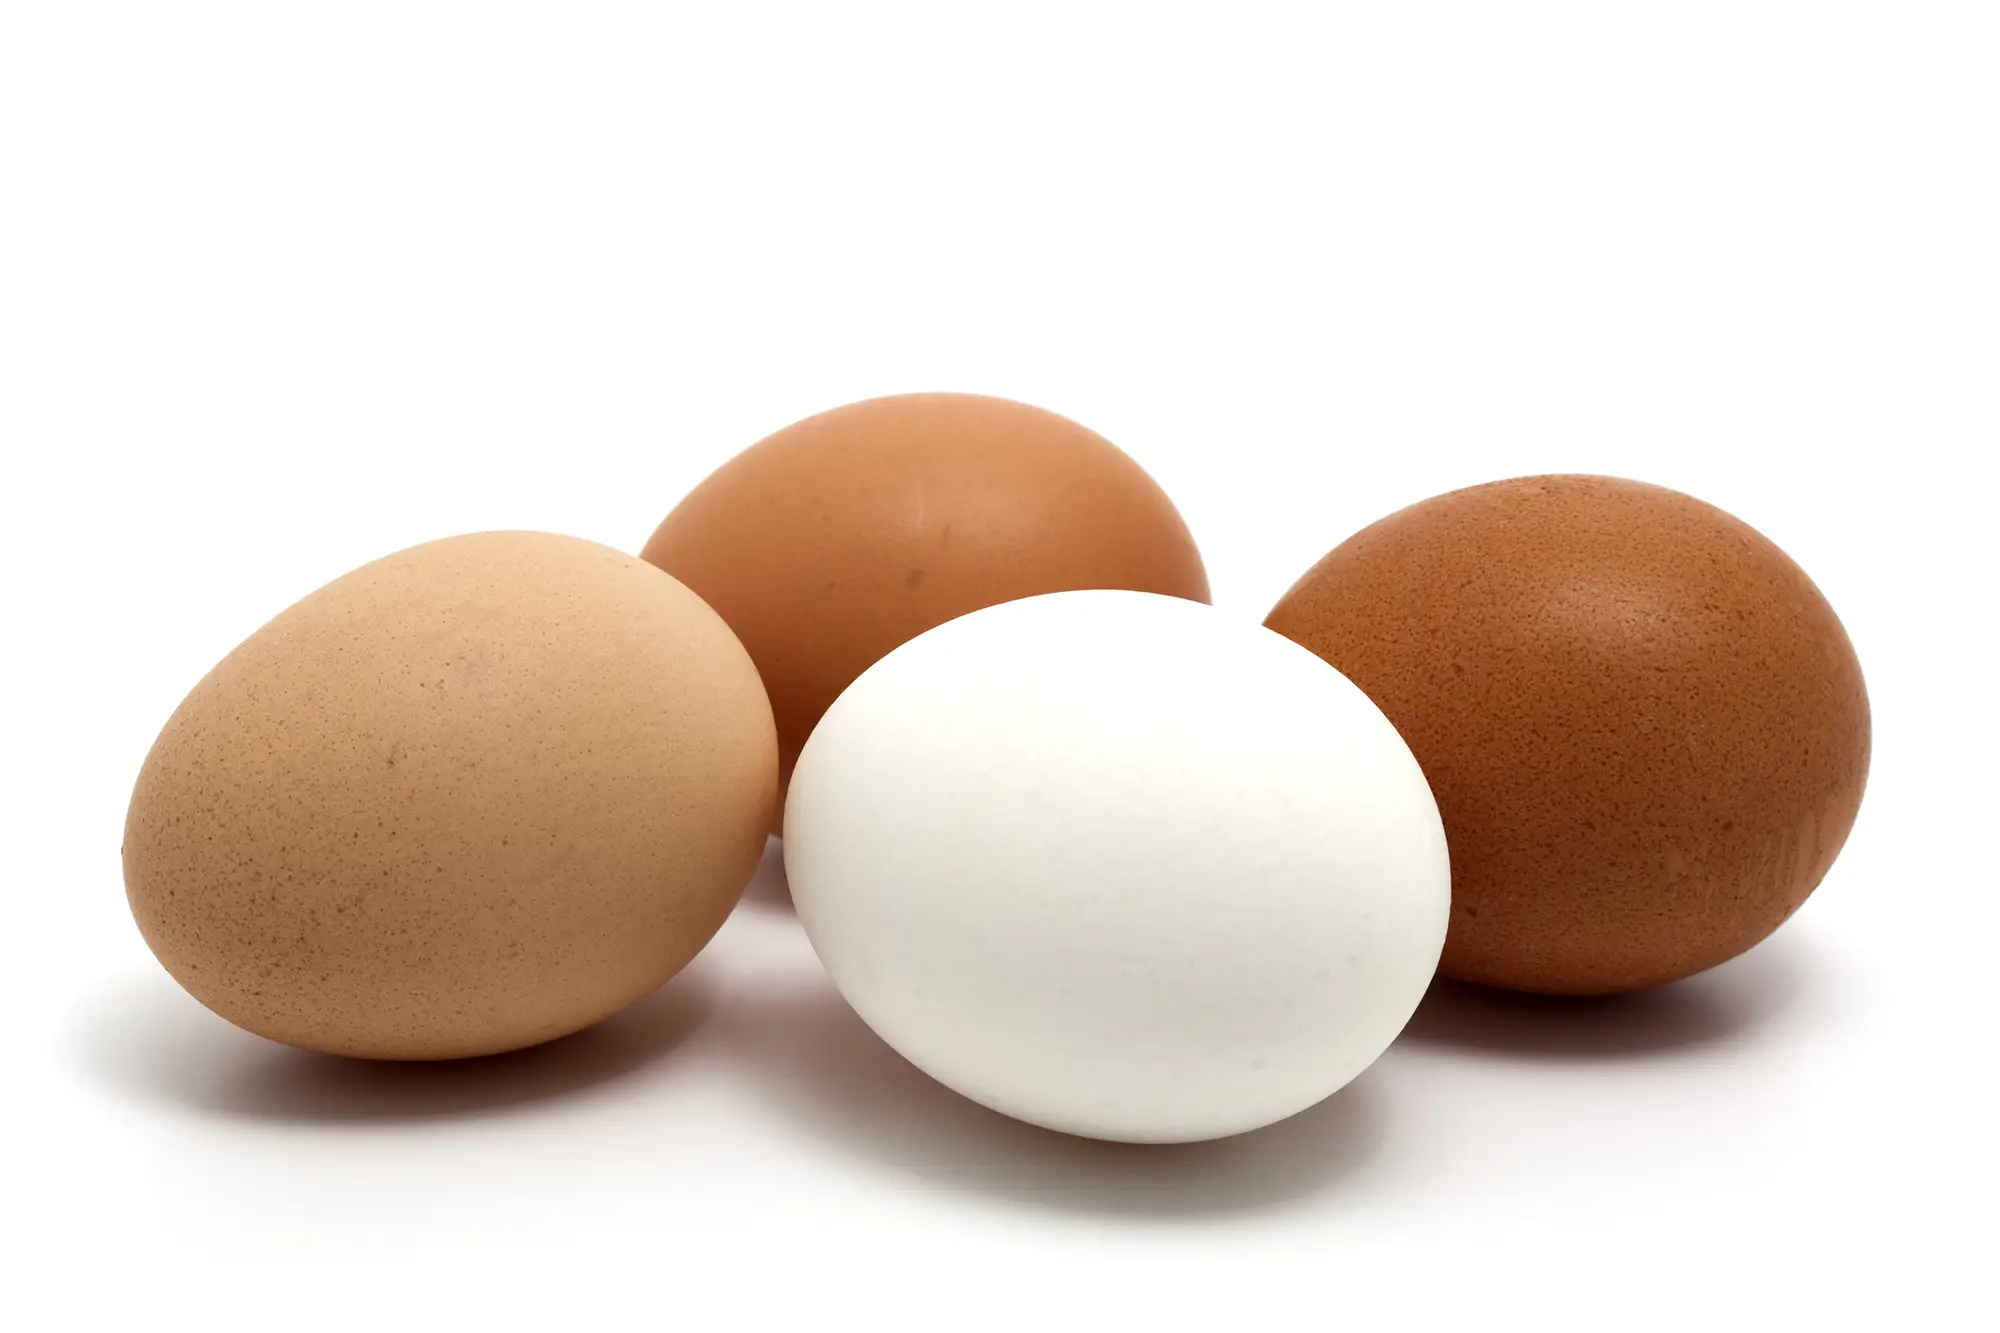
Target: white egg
{"points": [[1119, 865]]}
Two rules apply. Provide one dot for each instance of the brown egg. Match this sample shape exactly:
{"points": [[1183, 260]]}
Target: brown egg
{"points": [[470, 797], [1646, 730], [846, 534]]}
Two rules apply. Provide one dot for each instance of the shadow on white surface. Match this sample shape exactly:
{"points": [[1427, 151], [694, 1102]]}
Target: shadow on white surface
{"points": [[821, 1066], [768, 890], [1724, 1004], [146, 1040]]}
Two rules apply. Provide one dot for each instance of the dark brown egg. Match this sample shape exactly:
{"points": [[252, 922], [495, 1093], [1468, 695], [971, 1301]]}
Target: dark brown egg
{"points": [[1646, 730], [844, 535]]}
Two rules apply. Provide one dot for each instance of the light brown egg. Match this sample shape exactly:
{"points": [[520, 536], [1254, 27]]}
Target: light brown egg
{"points": [[475, 795], [1645, 728], [844, 535]]}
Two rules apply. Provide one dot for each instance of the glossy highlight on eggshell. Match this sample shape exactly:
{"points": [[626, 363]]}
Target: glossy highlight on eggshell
{"points": [[838, 538], [1646, 730], [475, 795]]}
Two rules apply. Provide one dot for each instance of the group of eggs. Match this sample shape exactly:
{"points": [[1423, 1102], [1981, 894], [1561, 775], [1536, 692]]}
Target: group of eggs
{"points": [[1076, 844]]}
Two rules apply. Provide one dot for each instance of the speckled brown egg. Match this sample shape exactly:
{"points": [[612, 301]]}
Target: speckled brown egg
{"points": [[475, 795], [1646, 730], [844, 535]]}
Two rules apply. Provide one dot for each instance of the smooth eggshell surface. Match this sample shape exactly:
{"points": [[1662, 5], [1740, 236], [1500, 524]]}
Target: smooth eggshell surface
{"points": [[473, 796], [1119, 865], [843, 535], [1645, 727]]}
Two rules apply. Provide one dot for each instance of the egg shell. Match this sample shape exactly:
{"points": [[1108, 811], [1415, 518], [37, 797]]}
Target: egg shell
{"points": [[1119, 865], [475, 795], [841, 536], [1646, 729]]}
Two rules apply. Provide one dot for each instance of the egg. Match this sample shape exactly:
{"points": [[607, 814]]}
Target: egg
{"points": [[1646, 729], [1119, 865], [829, 543], [473, 796]]}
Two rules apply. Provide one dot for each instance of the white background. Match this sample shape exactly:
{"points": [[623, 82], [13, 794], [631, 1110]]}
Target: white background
{"points": [[286, 287]]}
